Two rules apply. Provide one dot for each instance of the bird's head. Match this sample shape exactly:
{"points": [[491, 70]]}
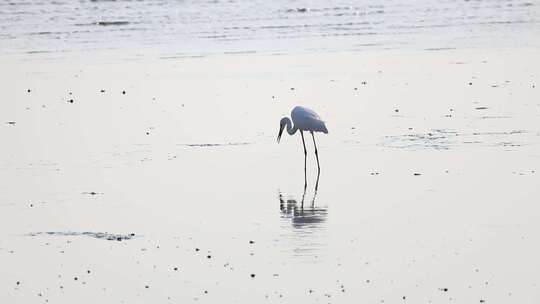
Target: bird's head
{"points": [[282, 125]]}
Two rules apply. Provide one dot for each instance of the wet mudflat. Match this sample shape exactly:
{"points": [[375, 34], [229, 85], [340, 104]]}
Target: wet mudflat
{"points": [[176, 190]]}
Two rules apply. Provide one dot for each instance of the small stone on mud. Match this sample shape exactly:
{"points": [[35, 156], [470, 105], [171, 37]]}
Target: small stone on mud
{"points": [[124, 92], [252, 275]]}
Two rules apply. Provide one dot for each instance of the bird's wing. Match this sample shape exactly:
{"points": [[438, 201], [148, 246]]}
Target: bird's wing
{"points": [[307, 119], [304, 113]]}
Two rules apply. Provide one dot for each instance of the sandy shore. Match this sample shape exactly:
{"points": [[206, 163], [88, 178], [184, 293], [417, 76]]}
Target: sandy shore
{"points": [[428, 192]]}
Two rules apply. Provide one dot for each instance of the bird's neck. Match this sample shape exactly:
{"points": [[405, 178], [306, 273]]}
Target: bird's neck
{"points": [[290, 128]]}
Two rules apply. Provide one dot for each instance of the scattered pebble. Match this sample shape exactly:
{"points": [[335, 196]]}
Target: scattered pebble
{"points": [[11, 123], [70, 101], [417, 174], [175, 268], [75, 278], [252, 275], [18, 283], [146, 286], [28, 90], [124, 92], [102, 91], [209, 256], [470, 83], [252, 242]]}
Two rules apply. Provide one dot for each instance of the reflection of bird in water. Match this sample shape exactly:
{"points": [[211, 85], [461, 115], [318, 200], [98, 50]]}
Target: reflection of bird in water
{"points": [[304, 228], [304, 119], [303, 216]]}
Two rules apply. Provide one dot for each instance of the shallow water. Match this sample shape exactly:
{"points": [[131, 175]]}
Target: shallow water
{"points": [[88, 30], [433, 202]]}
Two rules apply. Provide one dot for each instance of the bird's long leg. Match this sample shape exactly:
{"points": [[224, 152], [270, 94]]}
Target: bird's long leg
{"points": [[316, 152], [315, 193], [303, 197], [305, 159], [317, 184]]}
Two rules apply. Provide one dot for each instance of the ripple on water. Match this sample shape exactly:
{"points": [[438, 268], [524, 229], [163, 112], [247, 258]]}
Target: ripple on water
{"points": [[97, 235], [210, 145], [444, 139], [438, 139]]}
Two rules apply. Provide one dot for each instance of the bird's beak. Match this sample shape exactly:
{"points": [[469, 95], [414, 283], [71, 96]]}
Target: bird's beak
{"points": [[281, 127]]}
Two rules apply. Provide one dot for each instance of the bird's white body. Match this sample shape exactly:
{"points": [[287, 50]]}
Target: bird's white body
{"points": [[307, 120]]}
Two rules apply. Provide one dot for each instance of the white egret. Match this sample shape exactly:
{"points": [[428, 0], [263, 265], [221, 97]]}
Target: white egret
{"points": [[304, 119]]}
